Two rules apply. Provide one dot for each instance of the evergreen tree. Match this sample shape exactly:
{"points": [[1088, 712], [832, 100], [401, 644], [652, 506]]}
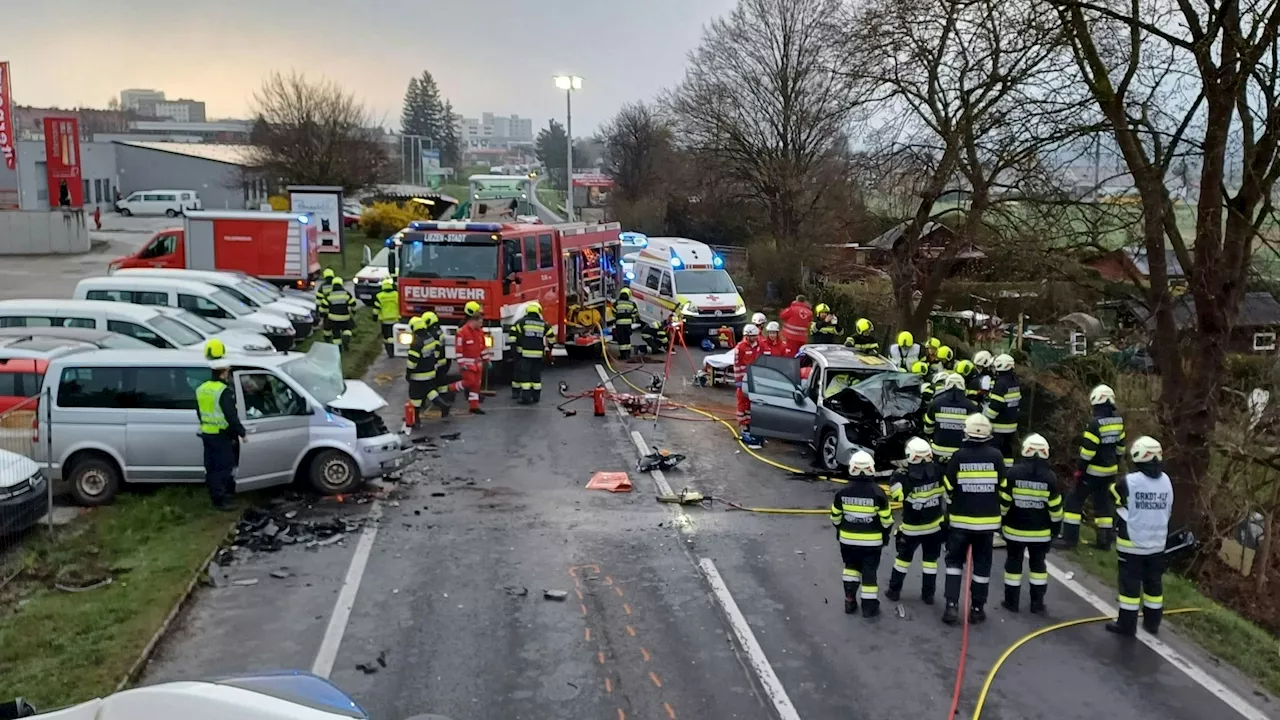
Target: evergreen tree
{"points": [[550, 149], [423, 113], [450, 152]]}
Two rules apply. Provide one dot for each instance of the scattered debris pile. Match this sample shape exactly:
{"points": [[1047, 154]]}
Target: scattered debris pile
{"points": [[270, 529]]}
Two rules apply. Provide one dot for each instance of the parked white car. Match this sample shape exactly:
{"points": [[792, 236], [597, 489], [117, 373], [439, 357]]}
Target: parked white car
{"points": [[171, 203], [160, 327], [296, 311]]}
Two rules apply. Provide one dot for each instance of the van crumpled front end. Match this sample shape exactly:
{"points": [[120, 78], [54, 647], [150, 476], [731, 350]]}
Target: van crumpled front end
{"points": [[379, 451]]}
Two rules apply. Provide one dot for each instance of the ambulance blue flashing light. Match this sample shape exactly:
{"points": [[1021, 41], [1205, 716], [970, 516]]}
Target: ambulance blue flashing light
{"points": [[466, 227], [630, 276], [304, 219], [717, 261], [634, 238]]}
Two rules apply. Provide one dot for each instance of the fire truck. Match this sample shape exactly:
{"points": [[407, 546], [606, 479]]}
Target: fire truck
{"points": [[574, 270]]}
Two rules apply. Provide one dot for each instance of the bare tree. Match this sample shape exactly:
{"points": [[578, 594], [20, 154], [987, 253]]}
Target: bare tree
{"points": [[315, 133], [767, 101], [1181, 84], [970, 104], [637, 142]]}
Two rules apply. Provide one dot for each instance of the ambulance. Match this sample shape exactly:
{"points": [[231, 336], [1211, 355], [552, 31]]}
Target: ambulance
{"points": [[680, 275]]}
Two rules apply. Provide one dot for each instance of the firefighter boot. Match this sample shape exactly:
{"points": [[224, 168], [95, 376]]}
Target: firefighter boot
{"points": [[1103, 541], [850, 598], [1037, 599], [1126, 624], [870, 607], [443, 405], [928, 586], [951, 615], [537, 396], [1012, 598], [1069, 538], [515, 392], [977, 615], [1151, 619]]}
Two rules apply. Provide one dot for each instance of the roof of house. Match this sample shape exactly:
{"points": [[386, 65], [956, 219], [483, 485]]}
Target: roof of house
{"points": [[1257, 310], [1138, 256], [230, 154], [890, 238]]}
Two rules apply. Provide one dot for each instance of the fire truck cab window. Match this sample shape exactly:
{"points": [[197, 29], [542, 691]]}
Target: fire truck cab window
{"points": [[530, 254], [464, 261], [652, 279], [546, 252]]}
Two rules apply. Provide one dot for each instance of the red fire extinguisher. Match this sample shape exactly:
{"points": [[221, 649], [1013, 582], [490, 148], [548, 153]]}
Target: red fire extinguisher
{"points": [[597, 400]]}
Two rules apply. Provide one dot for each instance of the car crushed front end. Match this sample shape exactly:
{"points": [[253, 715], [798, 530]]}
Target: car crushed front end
{"points": [[877, 414]]}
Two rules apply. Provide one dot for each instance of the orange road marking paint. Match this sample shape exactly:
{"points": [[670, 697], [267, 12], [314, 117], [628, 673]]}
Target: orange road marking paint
{"points": [[631, 631], [671, 712], [584, 609], [608, 580], [579, 593], [621, 715], [654, 677], [627, 608], [608, 685], [646, 654], [600, 657], [618, 590], [574, 570], [587, 635]]}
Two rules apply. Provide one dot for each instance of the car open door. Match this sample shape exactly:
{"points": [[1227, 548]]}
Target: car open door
{"points": [[779, 408]]}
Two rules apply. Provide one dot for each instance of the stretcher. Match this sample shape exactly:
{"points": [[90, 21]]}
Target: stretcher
{"points": [[719, 368]]}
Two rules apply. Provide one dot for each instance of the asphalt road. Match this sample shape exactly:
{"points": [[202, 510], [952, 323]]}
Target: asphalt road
{"points": [[452, 596]]}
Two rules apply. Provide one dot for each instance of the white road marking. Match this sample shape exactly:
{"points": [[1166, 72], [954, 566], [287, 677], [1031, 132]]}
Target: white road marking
{"points": [[1175, 658], [747, 640], [328, 652]]}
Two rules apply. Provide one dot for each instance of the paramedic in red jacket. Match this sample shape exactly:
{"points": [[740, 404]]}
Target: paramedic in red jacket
{"points": [[795, 322], [746, 352], [774, 343], [472, 353]]}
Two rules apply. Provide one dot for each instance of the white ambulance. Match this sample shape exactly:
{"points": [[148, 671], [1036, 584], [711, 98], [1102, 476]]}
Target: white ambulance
{"points": [[686, 276]]}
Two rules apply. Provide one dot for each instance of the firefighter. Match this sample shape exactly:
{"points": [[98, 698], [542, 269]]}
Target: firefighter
{"points": [[1144, 504], [918, 487], [825, 328], [1032, 509], [931, 347], [220, 428], [386, 308], [1098, 464], [944, 420], [1002, 405], [972, 379], [796, 318], [928, 387], [655, 337], [944, 359], [338, 317], [420, 367], [322, 300], [774, 343], [860, 511], [744, 354], [528, 338], [624, 317], [904, 351], [471, 348], [863, 339], [972, 480], [982, 364], [442, 388]]}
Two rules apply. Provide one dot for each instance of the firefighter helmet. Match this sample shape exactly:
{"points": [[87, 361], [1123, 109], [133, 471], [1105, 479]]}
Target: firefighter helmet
{"points": [[918, 451], [953, 381], [472, 308], [1102, 395], [534, 307], [964, 368], [328, 273], [1002, 363], [216, 353], [759, 319], [920, 368], [945, 353], [773, 327], [821, 309], [750, 329], [977, 427], [1034, 445], [905, 339], [1146, 449], [864, 327], [624, 293], [388, 284], [934, 343], [982, 359], [335, 281], [417, 323], [430, 319], [862, 464]]}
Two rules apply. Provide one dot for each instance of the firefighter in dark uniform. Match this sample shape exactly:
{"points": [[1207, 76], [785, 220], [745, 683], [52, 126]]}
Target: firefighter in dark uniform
{"points": [[863, 339], [527, 338], [1002, 406], [919, 488], [420, 368], [624, 319], [386, 308], [338, 318], [322, 300], [443, 388], [973, 388], [824, 328], [972, 480], [860, 511], [220, 428], [1032, 510], [945, 416], [1100, 447], [1144, 504], [655, 337]]}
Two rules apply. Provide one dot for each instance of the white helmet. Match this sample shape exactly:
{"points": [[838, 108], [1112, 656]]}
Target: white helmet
{"points": [[862, 464], [982, 359], [1002, 363], [750, 329], [773, 326], [758, 319], [953, 381], [977, 427], [1146, 449], [1101, 395], [918, 451], [940, 377], [1034, 445]]}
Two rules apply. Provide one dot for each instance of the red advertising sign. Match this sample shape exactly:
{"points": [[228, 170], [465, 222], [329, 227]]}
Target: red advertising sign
{"points": [[62, 157], [6, 120]]}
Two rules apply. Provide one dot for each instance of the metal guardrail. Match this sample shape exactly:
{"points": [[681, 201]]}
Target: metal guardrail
{"points": [[26, 495]]}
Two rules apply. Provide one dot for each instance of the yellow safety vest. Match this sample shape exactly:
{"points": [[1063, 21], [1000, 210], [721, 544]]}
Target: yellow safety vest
{"points": [[208, 395], [388, 304]]}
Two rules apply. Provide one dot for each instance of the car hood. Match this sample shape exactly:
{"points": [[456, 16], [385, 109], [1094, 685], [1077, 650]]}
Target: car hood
{"points": [[298, 302], [712, 302], [284, 308], [891, 394], [265, 318], [244, 340], [358, 396], [15, 468], [372, 274]]}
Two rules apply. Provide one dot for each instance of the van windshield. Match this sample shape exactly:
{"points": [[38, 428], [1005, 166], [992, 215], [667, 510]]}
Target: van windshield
{"points": [[175, 331], [243, 297], [255, 296], [703, 282], [262, 286], [228, 302], [319, 372], [204, 325]]}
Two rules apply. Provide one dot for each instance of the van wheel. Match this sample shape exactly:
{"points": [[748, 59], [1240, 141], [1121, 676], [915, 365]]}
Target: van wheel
{"points": [[829, 450], [94, 481], [171, 213], [333, 473], [126, 212]]}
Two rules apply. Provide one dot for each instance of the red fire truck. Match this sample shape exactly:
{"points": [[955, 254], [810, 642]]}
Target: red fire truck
{"points": [[574, 270]]}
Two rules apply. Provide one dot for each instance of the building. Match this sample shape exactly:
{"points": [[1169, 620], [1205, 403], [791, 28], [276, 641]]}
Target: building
{"points": [[492, 131], [183, 110], [97, 172], [1129, 265], [1253, 330], [134, 99]]}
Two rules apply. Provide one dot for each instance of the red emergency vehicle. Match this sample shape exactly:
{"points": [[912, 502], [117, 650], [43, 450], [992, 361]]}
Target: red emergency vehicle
{"points": [[573, 270], [278, 247]]}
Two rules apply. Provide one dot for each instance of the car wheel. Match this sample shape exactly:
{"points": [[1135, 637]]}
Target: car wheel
{"points": [[171, 213], [94, 481], [829, 450], [334, 473], [126, 212]]}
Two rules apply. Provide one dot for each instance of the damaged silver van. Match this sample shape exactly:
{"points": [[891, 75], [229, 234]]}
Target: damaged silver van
{"points": [[116, 416]]}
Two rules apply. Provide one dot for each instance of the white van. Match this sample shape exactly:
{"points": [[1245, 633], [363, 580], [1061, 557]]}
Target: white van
{"points": [[199, 298], [296, 311], [159, 202], [679, 274], [161, 327]]}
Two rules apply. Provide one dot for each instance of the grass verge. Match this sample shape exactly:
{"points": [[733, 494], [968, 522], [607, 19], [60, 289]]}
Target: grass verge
{"points": [[1220, 631], [58, 648]]}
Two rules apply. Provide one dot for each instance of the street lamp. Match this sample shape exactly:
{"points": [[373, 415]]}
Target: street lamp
{"points": [[568, 83]]}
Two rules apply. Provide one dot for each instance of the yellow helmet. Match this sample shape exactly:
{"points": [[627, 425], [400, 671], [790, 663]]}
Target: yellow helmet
{"points": [[534, 307], [417, 323], [945, 353], [472, 309], [863, 326], [335, 281], [964, 368], [822, 309], [328, 273], [388, 284], [920, 368], [214, 349], [624, 293], [905, 339], [429, 318], [934, 343]]}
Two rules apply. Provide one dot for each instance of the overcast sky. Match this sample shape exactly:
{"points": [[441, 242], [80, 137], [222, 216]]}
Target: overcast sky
{"points": [[486, 55]]}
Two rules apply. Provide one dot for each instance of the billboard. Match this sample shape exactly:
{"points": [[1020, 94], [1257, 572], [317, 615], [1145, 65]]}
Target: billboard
{"points": [[7, 131], [430, 160], [325, 206], [62, 162]]}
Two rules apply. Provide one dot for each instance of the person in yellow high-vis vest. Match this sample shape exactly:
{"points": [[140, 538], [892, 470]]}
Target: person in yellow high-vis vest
{"points": [[220, 428], [386, 306]]}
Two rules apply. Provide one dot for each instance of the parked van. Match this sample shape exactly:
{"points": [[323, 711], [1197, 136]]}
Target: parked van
{"points": [[296, 312], [159, 327], [119, 416], [198, 298], [679, 274], [159, 202]]}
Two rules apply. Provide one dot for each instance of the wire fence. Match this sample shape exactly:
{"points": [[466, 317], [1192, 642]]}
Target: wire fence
{"points": [[26, 495]]}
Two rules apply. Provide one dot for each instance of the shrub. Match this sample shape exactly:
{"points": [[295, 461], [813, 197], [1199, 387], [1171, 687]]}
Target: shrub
{"points": [[279, 203], [383, 219], [1246, 372]]}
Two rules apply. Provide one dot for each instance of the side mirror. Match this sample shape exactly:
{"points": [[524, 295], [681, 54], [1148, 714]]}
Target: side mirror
{"points": [[367, 255], [740, 290]]}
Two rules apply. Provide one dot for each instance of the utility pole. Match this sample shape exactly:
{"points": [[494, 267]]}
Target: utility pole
{"points": [[568, 83]]}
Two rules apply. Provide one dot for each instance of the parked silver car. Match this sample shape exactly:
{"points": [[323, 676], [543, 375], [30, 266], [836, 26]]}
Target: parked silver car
{"points": [[126, 415], [837, 400]]}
